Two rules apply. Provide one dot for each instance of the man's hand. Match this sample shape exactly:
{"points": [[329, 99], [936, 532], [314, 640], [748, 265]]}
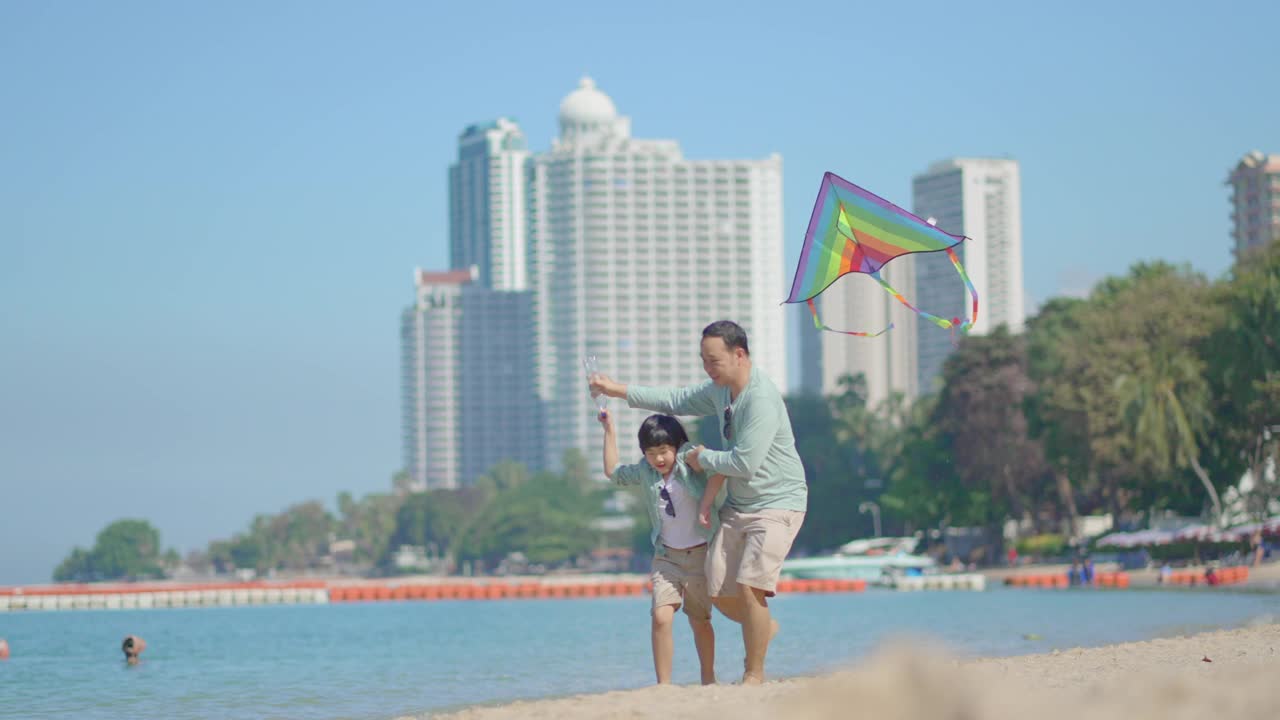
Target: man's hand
{"points": [[603, 384], [691, 459]]}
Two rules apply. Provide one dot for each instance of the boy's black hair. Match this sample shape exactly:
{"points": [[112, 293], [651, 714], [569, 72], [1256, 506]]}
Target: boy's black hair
{"points": [[730, 332], [662, 430]]}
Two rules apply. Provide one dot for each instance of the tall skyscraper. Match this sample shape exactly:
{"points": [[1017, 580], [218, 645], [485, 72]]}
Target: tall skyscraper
{"points": [[501, 415], [857, 302], [634, 249], [980, 198], [469, 370], [487, 221], [1255, 201], [431, 362]]}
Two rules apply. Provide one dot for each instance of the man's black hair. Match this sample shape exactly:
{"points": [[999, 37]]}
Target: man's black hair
{"points": [[730, 332]]}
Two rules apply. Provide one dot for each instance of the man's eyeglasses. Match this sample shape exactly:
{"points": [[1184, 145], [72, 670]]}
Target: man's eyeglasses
{"points": [[671, 507], [728, 424]]}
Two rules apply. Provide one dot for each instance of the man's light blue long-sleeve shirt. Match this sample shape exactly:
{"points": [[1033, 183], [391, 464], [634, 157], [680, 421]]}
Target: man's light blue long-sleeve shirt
{"points": [[761, 466]]}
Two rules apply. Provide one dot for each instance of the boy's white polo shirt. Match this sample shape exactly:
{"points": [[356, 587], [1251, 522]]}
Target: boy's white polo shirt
{"points": [[681, 531]]}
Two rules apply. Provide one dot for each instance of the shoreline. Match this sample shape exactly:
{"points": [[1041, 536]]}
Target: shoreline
{"points": [[1227, 673]]}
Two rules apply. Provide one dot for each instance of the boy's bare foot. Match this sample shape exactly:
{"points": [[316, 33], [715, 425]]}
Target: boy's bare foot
{"points": [[749, 679], [709, 679]]}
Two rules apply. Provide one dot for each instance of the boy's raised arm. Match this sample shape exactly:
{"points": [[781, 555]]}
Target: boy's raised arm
{"points": [[610, 459], [620, 475]]}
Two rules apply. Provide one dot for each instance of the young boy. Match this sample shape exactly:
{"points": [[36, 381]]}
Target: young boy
{"points": [[673, 492]]}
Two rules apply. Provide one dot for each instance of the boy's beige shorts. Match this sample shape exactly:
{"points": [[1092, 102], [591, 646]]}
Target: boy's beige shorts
{"points": [[679, 578]]}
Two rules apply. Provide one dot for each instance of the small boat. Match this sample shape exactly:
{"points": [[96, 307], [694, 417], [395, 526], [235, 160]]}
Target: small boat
{"points": [[872, 559]]}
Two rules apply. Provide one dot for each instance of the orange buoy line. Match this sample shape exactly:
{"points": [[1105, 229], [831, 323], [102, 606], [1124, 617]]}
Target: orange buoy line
{"points": [[1222, 576], [159, 595], [497, 590], [1060, 580]]}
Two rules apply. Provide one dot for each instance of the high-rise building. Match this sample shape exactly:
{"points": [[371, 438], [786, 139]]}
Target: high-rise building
{"points": [[469, 370], [431, 361], [634, 249], [1255, 201], [487, 221], [980, 198], [501, 415], [856, 302]]}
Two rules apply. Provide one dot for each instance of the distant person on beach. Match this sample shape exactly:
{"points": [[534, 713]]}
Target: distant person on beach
{"points": [[1210, 576], [673, 494], [133, 647], [767, 492]]}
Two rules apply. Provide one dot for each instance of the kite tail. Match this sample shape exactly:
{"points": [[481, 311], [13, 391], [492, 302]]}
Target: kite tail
{"points": [[967, 324], [954, 324], [939, 321], [818, 324]]}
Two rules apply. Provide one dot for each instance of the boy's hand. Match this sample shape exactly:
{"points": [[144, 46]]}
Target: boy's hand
{"points": [[704, 516], [606, 420], [691, 458]]}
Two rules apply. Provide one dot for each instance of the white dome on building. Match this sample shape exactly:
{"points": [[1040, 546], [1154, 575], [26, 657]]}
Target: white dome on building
{"points": [[587, 105]]}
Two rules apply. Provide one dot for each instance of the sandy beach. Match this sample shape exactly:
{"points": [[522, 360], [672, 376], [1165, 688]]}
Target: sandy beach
{"points": [[1218, 676]]}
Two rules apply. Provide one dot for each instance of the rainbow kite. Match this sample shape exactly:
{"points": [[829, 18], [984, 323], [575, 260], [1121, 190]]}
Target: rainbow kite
{"points": [[852, 230]]}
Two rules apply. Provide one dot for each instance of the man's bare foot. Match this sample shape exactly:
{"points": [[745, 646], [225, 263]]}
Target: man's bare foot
{"points": [[773, 633], [748, 678], [709, 679]]}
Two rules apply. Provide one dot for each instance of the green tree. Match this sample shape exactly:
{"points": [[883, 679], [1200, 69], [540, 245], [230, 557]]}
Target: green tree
{"points": [[924, 490], [127, 549], [369, 522], [1164, 396], [834, 490], [1243, 358], [1078, 410], [437, 517], [548, 519], [1063, 432], [124, 550], [77, 567], [296, 539]]}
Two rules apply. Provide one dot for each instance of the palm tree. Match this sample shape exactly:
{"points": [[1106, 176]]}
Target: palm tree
{"points": [[1166, 411]]}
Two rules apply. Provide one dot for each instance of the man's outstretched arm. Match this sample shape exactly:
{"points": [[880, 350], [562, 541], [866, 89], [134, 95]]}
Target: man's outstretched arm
{"points": [[697, 400]]}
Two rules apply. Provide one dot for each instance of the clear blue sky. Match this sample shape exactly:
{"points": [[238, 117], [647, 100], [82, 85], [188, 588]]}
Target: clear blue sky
{"points": [[209, 212]]}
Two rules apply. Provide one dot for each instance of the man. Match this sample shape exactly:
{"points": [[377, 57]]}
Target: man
{"points": [[767, 496]]}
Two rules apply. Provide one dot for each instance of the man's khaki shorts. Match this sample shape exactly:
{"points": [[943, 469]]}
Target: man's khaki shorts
{"points": [[679, 578], [749, 549]]}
